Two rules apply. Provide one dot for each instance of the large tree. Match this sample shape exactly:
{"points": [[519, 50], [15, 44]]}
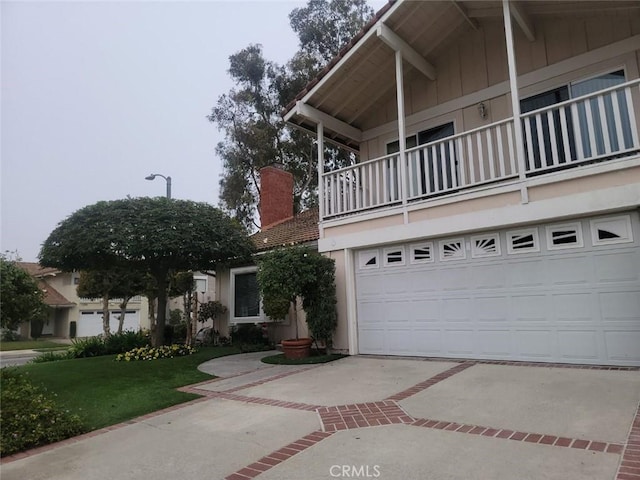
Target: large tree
{"points": [[250, 113], [22, 299], [153, 235]]}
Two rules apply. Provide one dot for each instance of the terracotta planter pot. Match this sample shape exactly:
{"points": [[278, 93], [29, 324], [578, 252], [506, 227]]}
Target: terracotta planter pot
{"points": [[294, 349]]}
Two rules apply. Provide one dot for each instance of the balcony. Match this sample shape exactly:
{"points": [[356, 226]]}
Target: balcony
{"points": [[592, 128]]}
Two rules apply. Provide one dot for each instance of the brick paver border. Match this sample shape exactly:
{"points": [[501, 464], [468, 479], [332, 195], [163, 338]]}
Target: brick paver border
{"points": [[629, 468]]}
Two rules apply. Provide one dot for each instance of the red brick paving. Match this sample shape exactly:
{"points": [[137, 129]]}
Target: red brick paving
{"points": [[629, 468]]}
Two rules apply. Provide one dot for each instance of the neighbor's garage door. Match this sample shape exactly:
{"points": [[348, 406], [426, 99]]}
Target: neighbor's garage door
{"points": [[90, 322], [563, 292]]}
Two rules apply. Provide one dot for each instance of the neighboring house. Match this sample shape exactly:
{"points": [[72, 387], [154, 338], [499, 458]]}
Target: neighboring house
{"points": [[237, 287], [205, 291], [66, 307], [493, 209]]}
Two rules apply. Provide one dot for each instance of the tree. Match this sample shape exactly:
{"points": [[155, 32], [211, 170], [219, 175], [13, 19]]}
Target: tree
{"points": [[293, 273], [250, 114], [151, 235], [183, 284], [122, 283], [22, 299]]}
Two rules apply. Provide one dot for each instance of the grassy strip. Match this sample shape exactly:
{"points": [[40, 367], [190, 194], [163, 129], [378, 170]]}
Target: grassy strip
{"points": [[280, 359], [52, 349], [104, 392], [29, 345]]}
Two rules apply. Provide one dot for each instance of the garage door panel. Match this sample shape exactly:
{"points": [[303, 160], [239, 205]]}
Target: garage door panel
{"points": [[491, 309], [578, 345], [427, 341], [460, 342], [620, 307], [526, 273], [422, 311], [570, 271], [576, 304], [535, 344], [573, 307], [454, 279], [622, 346], [529, 308], [616, 266], [495, 343], [456, 309], [488, 277]]}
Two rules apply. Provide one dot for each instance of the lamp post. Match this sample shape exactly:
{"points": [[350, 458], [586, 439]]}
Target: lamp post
{"points": [[167, 179]]}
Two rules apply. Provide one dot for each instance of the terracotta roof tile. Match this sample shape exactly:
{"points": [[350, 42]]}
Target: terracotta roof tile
{"points": [[302, 228], [52, 297], [37, 270]]}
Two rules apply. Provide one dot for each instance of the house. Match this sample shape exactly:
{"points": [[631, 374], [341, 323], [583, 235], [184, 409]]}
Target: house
{"points": [[237, 287], [492, 212], [68, 308]]}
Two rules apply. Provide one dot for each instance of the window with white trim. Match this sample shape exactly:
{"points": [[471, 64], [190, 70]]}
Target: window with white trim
{"points": [[368, 259], [611, 230], [452, 249], [485, 245], [394, 256], [523, 241], [202, 283], [245, 296], [421, 252], [566, 235]]}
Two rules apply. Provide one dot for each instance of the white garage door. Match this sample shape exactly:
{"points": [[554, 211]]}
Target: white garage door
{"points": [[90, 322], [564, 292]]}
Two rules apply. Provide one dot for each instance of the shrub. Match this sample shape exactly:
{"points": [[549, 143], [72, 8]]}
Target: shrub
{"points": [[125, 341], [29, 417], [10, 336], [248, 333], [154, 353], [51, 357], [87, 347]]}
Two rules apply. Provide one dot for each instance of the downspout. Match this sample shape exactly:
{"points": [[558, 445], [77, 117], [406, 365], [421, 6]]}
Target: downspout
{"points": [[352, 313], [515, 101], [402, 137], [320, 132]]}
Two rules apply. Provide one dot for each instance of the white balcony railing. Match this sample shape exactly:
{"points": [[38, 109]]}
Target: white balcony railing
{"points": [[594, 127]]}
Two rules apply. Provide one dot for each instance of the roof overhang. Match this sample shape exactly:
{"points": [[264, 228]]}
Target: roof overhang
{"points": [[349, 91]]}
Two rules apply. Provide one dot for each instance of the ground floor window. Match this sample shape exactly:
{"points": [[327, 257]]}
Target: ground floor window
{"points": [[245, 296]]}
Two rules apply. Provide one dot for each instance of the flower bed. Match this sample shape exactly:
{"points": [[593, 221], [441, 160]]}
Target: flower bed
{"points": [[154, 353]]}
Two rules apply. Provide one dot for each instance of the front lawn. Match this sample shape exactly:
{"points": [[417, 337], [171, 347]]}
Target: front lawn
{"points": [[6, 346], [105, 392]]}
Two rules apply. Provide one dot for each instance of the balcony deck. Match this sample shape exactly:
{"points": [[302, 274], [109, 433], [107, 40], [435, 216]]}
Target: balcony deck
{"points": [[593, 128]]}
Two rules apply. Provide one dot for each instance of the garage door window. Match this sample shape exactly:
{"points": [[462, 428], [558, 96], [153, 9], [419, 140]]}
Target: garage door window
{"points": [[485, 246], [393, 256], [568, 235], [611, 230], [421, 253], [368, 259], [452, 249], [523, 241]]}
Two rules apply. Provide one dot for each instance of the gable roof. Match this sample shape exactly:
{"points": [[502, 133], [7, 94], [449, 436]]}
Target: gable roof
{"points": [[37, 270], [301, 228], [52, 297]]}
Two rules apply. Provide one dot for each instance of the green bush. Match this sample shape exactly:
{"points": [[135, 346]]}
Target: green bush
{"points": [[29, 417], [87, 347], [51, 357], [155, 353], [248, 334], [9, 336], [125, 341]]}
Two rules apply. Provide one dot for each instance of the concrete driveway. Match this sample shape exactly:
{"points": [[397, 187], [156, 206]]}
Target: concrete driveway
{"points": [[364, 417]]}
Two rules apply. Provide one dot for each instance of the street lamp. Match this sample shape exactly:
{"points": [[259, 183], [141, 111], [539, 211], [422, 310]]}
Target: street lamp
{"points": [[167, 179]]}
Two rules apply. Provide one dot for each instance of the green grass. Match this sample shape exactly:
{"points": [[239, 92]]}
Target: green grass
{"points": [[280, 359], [104, 392], [30, 345]]}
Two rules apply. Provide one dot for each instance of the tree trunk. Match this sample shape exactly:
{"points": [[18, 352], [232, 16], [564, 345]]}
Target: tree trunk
{"points": [[123, 312], [105, 315], [161, 317], [186, 306], [295, 315]]}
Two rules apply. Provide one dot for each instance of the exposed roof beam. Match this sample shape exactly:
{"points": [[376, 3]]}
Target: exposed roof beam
{"points": [[523, 20], [331, 123], [389, 37], [465, 15]]}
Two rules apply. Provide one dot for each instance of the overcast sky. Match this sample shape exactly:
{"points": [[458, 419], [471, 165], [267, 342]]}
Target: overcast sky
{"points": [[98, 95]]}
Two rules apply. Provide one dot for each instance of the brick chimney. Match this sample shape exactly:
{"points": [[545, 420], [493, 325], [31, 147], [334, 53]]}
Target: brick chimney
{"points": [[276, 196]]}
